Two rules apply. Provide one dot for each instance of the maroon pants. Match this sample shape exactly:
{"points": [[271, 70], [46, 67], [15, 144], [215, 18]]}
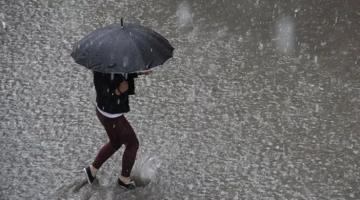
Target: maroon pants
{"points": [[119, 132]]}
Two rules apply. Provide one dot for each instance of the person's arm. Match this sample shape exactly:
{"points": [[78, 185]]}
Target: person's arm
{"points": [[131, 81], [148, 72]]}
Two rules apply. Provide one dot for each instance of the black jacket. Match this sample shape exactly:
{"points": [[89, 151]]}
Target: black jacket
{"points": [[106, 99]]}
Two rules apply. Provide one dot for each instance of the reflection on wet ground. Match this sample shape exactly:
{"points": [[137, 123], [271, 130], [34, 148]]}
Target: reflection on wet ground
{"points": [[261, 101]]}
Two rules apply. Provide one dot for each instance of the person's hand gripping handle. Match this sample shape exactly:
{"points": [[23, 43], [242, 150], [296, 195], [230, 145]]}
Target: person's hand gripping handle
{"points": [[124, 86]]}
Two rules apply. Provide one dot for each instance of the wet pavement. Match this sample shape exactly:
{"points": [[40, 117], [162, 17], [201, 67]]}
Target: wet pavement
{"points": [[261, 101]]}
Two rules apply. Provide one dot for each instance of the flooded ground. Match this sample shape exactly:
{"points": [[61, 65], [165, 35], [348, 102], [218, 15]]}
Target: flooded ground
{"points": [[261, 101]]}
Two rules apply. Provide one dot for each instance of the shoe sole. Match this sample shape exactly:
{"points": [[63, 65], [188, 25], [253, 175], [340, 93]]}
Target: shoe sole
{"points": [[87, 177], [123, 187]]}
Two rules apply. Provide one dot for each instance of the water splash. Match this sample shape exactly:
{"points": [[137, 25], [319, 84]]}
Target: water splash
{"points": [[145, 170]]}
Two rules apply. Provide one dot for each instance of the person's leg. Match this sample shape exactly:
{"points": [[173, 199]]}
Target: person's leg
{"points": [[128, 137], [110, 125], [105, 153]]}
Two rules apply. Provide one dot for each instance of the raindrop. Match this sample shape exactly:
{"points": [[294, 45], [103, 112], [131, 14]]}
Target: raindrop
{"points": [[130, 33], [125, 60], [78, 46], [261, 46], [285, 35], [315, 59], [112, 76], [118, 101], [108, 90], [184, 14], [2, 19], [151, 50], [114, 126]]}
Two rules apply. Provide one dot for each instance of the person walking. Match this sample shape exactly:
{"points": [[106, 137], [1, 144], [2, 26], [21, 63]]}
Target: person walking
{"points": [[112, 99], [117, 54]]}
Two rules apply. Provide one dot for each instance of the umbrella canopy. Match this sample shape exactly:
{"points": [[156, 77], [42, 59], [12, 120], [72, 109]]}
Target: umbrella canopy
{"points": [[122, 48]]}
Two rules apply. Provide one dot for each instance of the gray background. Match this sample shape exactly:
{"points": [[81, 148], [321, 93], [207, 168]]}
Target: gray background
{"points": [[261, 101]]}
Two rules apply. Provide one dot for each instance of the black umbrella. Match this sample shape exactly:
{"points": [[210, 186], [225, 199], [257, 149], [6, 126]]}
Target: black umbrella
{"points": [[122, 48]]}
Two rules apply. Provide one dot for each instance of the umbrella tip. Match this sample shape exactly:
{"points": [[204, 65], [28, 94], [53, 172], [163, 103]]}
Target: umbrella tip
{"points": [[122, 23]]}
